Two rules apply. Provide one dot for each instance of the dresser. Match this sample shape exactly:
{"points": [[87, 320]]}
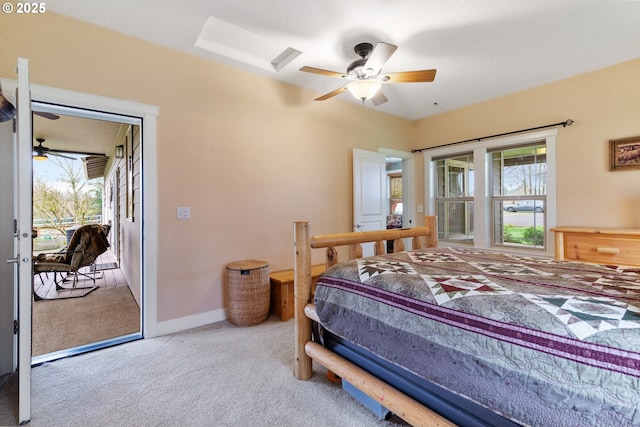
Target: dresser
{"points": [[601, 245]]}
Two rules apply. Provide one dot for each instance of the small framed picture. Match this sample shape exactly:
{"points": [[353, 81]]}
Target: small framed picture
{"points": [[624, 153]]}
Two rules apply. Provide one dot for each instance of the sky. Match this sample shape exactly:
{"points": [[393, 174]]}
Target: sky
{"points": [[48, 171]]}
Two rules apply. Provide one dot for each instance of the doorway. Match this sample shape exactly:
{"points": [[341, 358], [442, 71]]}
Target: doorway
{"points": [[84, 154], [18, 351], [399, 200], [374, 205], [401, 164]]}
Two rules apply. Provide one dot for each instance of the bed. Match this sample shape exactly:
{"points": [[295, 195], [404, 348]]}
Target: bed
{"points": [[459, 336]]}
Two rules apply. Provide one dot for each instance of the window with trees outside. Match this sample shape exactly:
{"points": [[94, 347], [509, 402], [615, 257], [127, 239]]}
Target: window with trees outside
{"points": [[519, 186], [496, 193]]}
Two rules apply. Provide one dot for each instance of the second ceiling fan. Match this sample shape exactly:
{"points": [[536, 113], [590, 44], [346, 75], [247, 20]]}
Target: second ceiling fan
{"points": [[366, 74], [40, 152]]}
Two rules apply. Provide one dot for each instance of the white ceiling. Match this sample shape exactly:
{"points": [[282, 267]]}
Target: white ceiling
{"points": [[481, 49]]}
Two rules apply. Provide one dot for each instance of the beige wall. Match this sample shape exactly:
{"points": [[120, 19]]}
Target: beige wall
{"points": [[604, 105], [249, 155]]}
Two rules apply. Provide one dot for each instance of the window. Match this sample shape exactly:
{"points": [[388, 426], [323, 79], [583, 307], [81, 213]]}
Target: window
{"points": [[497, 193], [454, 198], [518, 177]]}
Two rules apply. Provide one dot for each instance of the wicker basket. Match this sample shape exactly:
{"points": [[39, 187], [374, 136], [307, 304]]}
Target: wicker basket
{"points": [[247, 291]]}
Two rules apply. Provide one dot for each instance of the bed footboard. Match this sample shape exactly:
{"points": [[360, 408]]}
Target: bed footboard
{"points": [[306, 350]]}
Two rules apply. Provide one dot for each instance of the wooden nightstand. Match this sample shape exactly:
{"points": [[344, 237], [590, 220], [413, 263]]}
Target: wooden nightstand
{"points": [[282, 290], [604, 245]]}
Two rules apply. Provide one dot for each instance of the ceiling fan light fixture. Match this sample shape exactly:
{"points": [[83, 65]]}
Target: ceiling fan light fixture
{"points": [[40, 156], [364, 89]]}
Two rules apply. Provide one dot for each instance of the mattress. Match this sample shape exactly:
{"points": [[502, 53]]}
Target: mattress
{"points": [[537, 341]]}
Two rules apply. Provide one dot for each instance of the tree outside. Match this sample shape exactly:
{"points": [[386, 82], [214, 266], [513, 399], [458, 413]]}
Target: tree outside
{"points": [[63, 198], [524, 173], [527, 179]]}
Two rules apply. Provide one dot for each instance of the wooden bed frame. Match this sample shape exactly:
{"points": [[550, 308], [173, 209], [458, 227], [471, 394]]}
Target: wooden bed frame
{"points": [[306, 350]]}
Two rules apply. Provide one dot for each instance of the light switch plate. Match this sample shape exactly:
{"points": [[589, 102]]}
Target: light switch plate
{"points": [[184, 213]]}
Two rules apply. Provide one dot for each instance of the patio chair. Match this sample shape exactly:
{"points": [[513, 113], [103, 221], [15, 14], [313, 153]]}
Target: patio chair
{"points": [[86, 244]]}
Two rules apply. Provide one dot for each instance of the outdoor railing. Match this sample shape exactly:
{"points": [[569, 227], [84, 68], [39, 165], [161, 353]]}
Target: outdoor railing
{"points": [[69, 221]]}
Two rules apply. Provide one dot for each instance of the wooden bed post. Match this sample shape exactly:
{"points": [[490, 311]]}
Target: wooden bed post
{"points": [[431, 222], [302, 294]]}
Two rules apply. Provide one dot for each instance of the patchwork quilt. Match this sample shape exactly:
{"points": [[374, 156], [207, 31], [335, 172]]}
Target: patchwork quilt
{"points": [[539, 341]]}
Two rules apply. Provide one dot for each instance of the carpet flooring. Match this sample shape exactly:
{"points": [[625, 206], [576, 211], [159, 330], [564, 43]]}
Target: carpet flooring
{"points": [[218, 375]]}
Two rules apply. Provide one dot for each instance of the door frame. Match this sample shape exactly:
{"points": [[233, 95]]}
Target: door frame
{"points": [[149, 114], [73, 111]]}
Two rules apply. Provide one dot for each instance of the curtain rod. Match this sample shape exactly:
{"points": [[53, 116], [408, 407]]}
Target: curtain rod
{"points": [[566, 123]]}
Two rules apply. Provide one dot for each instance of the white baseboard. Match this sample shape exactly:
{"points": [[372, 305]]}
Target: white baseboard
{"points": [[188, 322]]}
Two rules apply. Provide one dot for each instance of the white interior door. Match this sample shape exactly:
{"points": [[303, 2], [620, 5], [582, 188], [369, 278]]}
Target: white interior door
{"points": [[24, 237], [8, 350], [369, 193]]}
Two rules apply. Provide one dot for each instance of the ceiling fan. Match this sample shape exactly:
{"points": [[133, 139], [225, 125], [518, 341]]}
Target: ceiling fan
{"points": [[40, 152], [366, 74]]}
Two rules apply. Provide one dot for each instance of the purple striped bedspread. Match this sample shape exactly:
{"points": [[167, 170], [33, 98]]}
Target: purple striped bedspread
{"points": [[541, 342]]}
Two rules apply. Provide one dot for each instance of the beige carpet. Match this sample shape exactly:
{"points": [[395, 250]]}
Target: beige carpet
{"points": [[218, 375], [66, 323]]}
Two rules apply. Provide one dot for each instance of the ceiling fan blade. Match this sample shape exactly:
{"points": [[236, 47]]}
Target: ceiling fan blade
{"points": [[331, 94], [379, 98], [80, 153], [322, 72], [50, 153], [380, 55], [419, 76], [46, 115], [7, 110]]}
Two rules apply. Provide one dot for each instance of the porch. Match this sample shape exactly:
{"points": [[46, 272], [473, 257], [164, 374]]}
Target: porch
{"points": [[64, 322]]}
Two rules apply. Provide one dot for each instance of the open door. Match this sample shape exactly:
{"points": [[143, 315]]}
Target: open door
{"points": [[16, 221], [369, 194], [24, 244], [8, 342]]}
